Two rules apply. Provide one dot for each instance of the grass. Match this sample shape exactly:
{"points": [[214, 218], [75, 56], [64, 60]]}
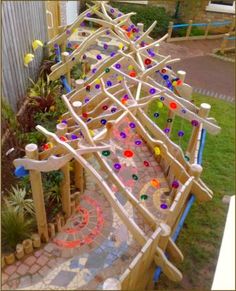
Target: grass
{"points": [[201, 236]]}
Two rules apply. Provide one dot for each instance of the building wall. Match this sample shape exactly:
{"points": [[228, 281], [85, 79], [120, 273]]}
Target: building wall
{"points": [[22, 22]]}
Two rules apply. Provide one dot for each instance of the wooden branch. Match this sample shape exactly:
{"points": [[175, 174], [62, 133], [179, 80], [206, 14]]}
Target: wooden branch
{"points": [[147, 32], [153, 44]]}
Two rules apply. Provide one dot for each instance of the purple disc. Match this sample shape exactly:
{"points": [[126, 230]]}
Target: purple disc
{"points": [[94, 70], [64, 121], [97, 86], [99, 57], [68, 31], [112, 10], [194, 123], [162, 98], [126, 97], [88, 14], [82, 24], [138, 142], [84, 57], [164, 206], [112, 54], [56, 45], [166, 130], [89, 119], [105, 46], [118, 66], [74, 136], [156, 114], [132, 125], [152, 91], [107, 32], [86, 100], [113, 110], [109, 83], [69, 45], [180, 133], [119, 14], [117, 166], [103, 121], [123, 134], [183, 111], [175, 184]]}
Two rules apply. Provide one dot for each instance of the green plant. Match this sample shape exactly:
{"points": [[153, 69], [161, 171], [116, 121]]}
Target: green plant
{"points": [[45, 68], [18, 200], [51, 183], [147, 15], [15, 228], [77, 71], [34, 137], [43, 93]]}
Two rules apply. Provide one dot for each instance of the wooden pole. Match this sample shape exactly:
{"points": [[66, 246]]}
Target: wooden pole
{"points": [[195, 171], [224, 43], [189, 29], [170, 29], [207, 28], [232, 26], [37, 193], [65, 56], [203, 112], [65, 184]]}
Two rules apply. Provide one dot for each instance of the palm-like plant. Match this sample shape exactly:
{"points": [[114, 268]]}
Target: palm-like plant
{"points": [[18, 201], [15, 228]]}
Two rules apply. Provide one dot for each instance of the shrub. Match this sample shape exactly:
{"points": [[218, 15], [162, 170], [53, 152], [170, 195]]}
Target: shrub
{"points": [[18, 200], [195, 31], [147, 15], [15, 228]]}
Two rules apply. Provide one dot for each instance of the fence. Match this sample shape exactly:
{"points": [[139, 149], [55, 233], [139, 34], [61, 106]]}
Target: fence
{"points": [[22, 22], [207, 26]]}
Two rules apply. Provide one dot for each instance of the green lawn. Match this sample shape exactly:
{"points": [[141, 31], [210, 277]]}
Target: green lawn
{"points": [[200, 239]]}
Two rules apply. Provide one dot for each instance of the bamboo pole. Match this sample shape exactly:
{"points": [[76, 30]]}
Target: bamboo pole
{"points": [[37, 193], [203, 112], [189, 29], [65, 184]]}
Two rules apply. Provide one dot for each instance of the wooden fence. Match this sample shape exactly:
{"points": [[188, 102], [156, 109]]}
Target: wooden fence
{"points": [[228, 24], [22, 22]]}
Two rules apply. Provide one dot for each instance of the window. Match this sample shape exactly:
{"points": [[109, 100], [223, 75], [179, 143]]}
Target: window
{"points": [[223, 6]]}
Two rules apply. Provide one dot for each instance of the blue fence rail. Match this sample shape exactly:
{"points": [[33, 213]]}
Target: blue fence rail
{"points": [[216, 23]]}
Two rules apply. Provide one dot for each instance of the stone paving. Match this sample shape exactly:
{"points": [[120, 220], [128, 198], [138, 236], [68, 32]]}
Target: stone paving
{"points": [[95, 244]]}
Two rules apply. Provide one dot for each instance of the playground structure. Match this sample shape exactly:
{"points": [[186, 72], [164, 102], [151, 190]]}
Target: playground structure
{"points": [[144, 179]]}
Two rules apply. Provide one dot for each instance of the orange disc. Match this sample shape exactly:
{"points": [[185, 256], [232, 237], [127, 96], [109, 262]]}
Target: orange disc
{"points": [[155, 183]]}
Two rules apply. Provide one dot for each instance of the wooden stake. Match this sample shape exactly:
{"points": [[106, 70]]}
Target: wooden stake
{"points": [[37, 193], [170, 29], [65, 184], [189, 29]]}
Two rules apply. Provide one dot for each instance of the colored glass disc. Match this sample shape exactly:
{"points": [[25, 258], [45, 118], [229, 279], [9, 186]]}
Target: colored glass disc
{"points": [[194, 123], [173, 105], [147, 62], [123, 135], [128, 154], [132, 125], [144, 197], [74, 136], [97, 86], [118, 66], [113, 110], [160, 104], [105, 107], [63, 138], [146, 163], [85, 115], [156, 114], [164, 206], [138, 142], [107, 70], [109, 83], [180, 133], [106, 153], [175, 184], [133, 74], [155, 183], [117, 166], [103, 121], [169, 120], [166, 130], [135, 177], [157, 151], [99, 57], [152, 91]]}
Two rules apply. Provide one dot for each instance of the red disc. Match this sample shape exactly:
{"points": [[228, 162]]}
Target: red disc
{"points": [[147, 62], [132, 74], [179, 82], [63, 138], [128, 154], [85, 115], [173, 105], [163, 71], [146, 163]]}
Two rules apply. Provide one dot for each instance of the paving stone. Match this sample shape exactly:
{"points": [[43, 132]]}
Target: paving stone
{"points": [[38, 253], [22, 269], [36, 278], [49, 247], [34, 269], [63, 278], [14, 284], [10, 269], [96, 260], [14, 276], [4, 277], [42, 260], [30, 260], [5, 287], [44, 271], [52, 263], [25, 282]]}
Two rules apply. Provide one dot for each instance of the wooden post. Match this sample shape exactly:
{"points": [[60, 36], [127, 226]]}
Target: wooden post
{"points": [[203, 112], [165, 233], [19, 251], [207, 28], [65, 56], [52, 230], [189, 29], [232, 26], [140, 27], [37, 193], [170, 29], [224, 43], [65, 184], [195, 170], [171, 115], [36, 240]]}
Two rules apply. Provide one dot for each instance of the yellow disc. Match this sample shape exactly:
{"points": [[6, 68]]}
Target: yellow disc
{"points": [[121, 46], [50, 144], [174, 83], [97, 81], [160, 104], [130, 67], [119, 78], [157, 151], [91, 132]]}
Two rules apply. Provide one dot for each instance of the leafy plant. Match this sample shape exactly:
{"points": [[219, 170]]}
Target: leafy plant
{"points": [[147, 15], [77, 71], [195, 31], [45, 68], [15, 228], [51, 182], [18, 201], [43, 93]]}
